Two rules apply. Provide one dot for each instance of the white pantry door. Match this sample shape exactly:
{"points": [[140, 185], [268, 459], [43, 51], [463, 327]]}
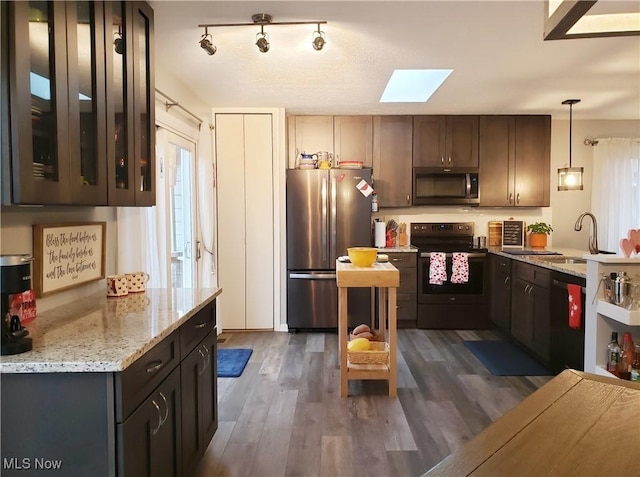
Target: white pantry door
{"points": [[244, 165]]}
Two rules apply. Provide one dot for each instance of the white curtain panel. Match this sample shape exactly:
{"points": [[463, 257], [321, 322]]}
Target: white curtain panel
{"points": [[206, 207], [615, 197]]}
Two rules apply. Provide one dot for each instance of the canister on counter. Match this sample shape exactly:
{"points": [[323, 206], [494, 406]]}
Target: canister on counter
{"points": [[495, 233]]}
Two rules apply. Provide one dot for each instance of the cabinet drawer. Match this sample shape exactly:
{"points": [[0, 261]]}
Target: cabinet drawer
{"points": [[196, 328], [403, 259], [135, 383], [502, 263], [532, 274], [408, 280], [407, 307]]}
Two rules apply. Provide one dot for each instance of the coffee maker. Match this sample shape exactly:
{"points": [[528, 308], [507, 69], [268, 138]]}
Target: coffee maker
{"points": [[15, 278]]}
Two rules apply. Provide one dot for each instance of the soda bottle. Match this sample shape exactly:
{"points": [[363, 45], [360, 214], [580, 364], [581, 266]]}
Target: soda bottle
{"points": [[626, 357], [613, 354]]}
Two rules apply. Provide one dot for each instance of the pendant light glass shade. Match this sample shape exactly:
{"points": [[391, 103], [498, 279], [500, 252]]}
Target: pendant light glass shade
{"points": [[570, 178]]}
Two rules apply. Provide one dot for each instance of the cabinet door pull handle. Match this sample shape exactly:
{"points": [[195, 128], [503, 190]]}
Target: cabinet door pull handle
{"points": [[442, 160], [204, 361], [511, 198], [506, 281], [166, 409], [206, 350], [155, 367], [408, 198], [155, 431], [396, 259], [518, 198], [200, 325], [449, 160]]}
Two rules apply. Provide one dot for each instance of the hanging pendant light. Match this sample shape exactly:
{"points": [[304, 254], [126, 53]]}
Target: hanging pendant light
{"points": [[570, 178]]}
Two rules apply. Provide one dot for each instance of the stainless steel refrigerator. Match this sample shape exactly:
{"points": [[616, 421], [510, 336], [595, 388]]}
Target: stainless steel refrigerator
{"points": [[326, 213]]}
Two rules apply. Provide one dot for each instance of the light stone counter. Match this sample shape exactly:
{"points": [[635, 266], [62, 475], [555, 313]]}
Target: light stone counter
{"points": [[408, 248], [100, 334], [575, 269]]}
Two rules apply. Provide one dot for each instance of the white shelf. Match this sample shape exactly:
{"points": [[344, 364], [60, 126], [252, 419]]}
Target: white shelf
{"points": [[619, 314], [602, 371]]}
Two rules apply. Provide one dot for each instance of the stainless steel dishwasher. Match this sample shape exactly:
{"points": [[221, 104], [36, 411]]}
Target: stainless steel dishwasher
{"points": [[567, 344]]}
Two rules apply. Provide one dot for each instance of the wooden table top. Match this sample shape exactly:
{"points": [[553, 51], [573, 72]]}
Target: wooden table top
{"points": [[578, 424], [377, 275]]}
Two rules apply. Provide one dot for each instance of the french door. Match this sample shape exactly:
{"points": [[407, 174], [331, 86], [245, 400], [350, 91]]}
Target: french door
{"points": [[179, 192]]}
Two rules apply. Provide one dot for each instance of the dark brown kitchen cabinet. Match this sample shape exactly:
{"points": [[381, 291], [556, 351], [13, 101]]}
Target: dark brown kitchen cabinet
{"points": [[61, 57], [392, 160], [500, 269], [309, 135], [530, 295], [199, 402], [149, 440], [407, 265], [515, 161], [130, 109], [445, 141], [353, 139], [58, 143]]}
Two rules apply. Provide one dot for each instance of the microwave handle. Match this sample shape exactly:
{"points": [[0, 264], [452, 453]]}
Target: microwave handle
{"points": [[468, 186]]}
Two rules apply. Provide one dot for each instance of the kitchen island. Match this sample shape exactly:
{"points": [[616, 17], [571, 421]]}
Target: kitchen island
{"points": [[113, 386]]}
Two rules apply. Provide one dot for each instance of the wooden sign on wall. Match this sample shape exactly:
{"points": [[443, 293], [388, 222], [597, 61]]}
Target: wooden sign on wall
{"points": [[67, 255]]}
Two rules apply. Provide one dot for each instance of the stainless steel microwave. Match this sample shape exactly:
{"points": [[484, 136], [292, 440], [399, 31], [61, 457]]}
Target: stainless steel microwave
{"points": [[438, 186]]}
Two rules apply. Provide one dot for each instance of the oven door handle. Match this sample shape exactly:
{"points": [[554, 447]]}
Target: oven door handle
{"points": [[449, 255]]}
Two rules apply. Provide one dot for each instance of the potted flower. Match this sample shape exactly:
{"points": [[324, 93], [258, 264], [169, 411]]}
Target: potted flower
{"points": [[538, 234]]}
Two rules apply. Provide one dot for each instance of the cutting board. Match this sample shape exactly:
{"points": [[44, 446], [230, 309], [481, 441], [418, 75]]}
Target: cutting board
{"points": [[495, 233]]}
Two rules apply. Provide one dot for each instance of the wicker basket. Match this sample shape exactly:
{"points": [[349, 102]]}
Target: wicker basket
{"points": [[377, 354]]}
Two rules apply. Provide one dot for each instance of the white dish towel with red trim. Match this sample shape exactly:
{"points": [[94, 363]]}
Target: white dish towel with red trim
{"points": [[459, 267], [437, 268]]}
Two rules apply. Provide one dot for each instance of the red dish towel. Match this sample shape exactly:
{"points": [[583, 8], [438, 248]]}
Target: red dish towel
{"points": [[575, 306], [459, 267], [437, 268]]}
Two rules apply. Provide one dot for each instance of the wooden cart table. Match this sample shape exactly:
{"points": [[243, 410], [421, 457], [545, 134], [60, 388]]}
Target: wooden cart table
{"points": [[386, 278], [578, 424]]}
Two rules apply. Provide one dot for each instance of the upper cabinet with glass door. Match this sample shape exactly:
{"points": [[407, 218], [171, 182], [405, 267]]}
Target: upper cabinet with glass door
{"points": [[68, 146], [130, 98], [57, 99]]}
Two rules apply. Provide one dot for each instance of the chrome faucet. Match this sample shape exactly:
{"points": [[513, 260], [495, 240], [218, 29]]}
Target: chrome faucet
{"points": [[593, 240]]}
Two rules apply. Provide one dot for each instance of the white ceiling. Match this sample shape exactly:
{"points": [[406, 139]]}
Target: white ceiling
{"points": [[501, 63]]}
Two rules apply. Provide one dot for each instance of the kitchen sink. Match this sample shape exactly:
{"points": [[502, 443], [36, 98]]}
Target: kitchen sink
{"points": [[565, 260]]}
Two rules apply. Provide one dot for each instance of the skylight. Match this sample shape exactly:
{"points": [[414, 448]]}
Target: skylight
{"points": [[413, 86]]}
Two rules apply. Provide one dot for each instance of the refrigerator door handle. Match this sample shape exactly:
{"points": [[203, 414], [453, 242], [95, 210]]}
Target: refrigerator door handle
{"points": [[323, 219], [313, 276], [334, 214]]}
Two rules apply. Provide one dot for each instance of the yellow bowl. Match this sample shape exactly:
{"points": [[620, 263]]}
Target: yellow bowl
{"points": [[362, 256]]}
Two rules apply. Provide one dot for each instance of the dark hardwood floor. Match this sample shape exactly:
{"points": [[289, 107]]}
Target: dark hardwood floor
{"points": [[284, 415]]}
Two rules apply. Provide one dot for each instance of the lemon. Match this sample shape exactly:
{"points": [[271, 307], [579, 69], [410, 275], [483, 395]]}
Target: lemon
{"points": [[358, 344]]}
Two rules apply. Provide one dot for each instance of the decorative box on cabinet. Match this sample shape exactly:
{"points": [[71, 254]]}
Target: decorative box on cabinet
{"points": [[392, 161], [515, 161], [59, 146], [530, 320], [407, 304], [445, 141]]}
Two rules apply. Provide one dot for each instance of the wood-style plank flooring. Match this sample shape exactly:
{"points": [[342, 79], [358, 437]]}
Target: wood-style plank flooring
{"points": [[284, 415]]}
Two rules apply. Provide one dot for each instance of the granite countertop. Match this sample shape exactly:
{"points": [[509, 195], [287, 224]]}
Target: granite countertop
{"points": [[576, 269], [100, 334], [408, 248]]}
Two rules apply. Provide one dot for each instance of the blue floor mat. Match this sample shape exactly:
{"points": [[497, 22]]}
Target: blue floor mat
{"points": [[231, 361], [503, 358]]}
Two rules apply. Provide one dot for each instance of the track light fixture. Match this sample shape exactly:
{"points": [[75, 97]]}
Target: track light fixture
{"points": [[318, 39], [262, 40], [206, 44], [570, 178], [118, 41]]}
